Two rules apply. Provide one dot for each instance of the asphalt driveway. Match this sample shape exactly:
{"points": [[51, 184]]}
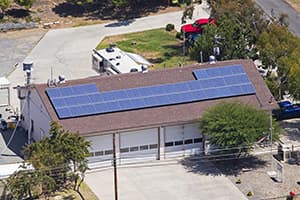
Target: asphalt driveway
{"points": [[163, 181]]}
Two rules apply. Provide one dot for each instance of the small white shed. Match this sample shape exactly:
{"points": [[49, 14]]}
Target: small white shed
{"points": [[4, 91]]}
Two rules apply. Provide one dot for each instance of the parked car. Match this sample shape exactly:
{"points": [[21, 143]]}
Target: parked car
{"points": [[196, 27], [287, 110]]}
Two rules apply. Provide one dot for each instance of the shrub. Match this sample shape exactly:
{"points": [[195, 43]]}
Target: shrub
{"points": [[179, 35], [170, 27]]}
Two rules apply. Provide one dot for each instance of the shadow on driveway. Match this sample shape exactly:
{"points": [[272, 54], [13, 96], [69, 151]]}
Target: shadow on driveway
{"points": [[120, 23], [221, 166], [15, 143]]}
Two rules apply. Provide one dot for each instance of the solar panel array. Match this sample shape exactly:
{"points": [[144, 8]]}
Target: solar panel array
{"points": [[83, 100]]}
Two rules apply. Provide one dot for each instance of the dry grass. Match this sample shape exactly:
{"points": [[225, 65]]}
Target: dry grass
{"points": [[70, 194]]}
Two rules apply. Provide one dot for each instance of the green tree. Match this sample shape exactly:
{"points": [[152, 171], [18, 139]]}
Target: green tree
{"points": [[235, 126], [61, 157], [279, 49], [26, 3], [4, 4], [22, 183], [187, 13], [239, 24], [204, 43]]}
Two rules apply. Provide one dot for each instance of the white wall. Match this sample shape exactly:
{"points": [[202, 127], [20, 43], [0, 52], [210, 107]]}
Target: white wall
{"points": [[39, 115]]}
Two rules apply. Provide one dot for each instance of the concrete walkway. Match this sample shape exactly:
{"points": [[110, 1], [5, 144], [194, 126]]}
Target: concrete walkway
{"points": [[68, 51]]}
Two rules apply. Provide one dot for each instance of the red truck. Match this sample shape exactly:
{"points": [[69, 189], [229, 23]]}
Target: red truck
{"points": [[196, 27]]}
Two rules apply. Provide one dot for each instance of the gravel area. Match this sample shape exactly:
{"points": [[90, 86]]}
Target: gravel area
{"points": [[253, 173]]}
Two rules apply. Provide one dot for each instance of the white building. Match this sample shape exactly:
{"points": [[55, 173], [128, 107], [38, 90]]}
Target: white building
{"points": [[164, 127], [4, 91], [112, 60]]}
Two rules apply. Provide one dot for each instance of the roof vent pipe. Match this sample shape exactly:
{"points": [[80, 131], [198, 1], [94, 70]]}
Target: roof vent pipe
{"points": [[212, 59]]}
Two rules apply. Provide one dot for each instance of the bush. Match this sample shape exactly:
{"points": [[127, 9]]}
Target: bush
{"points": [[179, 35], [170, 27]]}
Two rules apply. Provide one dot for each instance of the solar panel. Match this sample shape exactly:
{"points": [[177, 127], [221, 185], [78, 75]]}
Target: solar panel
{"points": [[212, 83], [203, 74], [72, 90]]}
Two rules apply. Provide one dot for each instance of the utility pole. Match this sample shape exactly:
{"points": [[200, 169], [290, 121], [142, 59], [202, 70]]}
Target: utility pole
{"points": [[115, 167], [27, 67], [271, 139], [183, 49]]}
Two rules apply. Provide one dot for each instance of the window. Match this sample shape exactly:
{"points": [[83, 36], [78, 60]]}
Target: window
{"points": [[124, 150], [144, 147], [99, 153], [197, 140], [108, 152], [169, 144], [134, 148], [153, 146], [188, 141], [180, 142]]}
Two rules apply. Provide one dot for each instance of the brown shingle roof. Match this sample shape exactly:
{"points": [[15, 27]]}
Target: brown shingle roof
{"points": [[158, 116]]}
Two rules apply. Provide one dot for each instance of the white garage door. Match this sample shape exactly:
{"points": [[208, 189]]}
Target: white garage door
{"points": [[139, 145], [101, 149], [4, 96], [182, 140], [192, 140]]}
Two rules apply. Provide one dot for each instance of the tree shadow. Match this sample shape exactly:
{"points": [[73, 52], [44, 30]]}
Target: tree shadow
{"points": [[156, 60], [17, 143], [172, 50], [208, 165], [105, 10], [18, 13], [120, 23], [291, 129]]}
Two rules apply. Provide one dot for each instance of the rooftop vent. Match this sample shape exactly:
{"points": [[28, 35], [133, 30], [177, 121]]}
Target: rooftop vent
{"points": [[61, 79], [133, 70], [212, 59], [110, 49]]}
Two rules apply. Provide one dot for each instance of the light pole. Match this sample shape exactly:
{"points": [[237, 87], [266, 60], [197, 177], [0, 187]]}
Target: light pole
{"points": [[115, 167]]}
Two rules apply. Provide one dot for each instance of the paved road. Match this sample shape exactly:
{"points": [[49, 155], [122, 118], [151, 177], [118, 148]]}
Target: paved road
{"points": [[15, 46], [68, 51], [280, 6], [171, 181]]}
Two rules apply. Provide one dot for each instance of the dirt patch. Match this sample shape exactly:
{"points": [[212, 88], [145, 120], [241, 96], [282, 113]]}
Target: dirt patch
{"points": [[61, 13], [295, 4]]}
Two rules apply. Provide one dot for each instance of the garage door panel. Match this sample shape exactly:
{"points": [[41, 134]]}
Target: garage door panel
{"points": [[173, 133], [101, 142], [191, 131], [182, 140], [137, 138]]}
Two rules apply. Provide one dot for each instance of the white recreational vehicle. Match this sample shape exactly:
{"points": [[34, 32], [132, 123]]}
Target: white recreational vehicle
{"points": [[113, 60]]}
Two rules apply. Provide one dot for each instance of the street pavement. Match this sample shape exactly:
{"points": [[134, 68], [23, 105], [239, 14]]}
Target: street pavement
{"points": [[278, 7], [15, 46], [68, 51], [169, 181]]}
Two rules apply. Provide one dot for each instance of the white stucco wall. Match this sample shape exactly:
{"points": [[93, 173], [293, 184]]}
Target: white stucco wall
{"points": [[38, 114]]}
